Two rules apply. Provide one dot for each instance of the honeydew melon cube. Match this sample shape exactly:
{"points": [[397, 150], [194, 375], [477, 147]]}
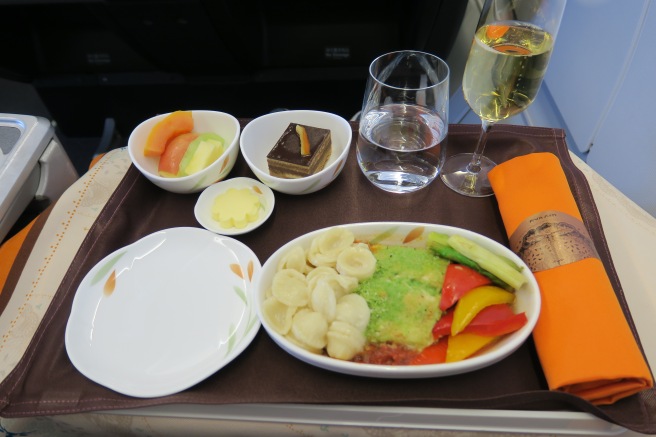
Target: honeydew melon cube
{"points": [[204, 153]]}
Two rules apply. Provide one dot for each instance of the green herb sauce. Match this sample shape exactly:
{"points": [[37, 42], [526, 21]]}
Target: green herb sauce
{"points": [[404, 296]]}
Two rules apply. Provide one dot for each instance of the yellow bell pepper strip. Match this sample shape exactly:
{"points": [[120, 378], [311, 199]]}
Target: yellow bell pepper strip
{"points": [[464, 345], [474, 301]]}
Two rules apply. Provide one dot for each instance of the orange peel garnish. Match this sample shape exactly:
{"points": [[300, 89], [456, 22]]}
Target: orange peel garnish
{"points": [[496, 31], [305, 141]]}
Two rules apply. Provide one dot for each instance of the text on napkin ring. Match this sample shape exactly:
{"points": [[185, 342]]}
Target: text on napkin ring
{"points": [[550, 239]]}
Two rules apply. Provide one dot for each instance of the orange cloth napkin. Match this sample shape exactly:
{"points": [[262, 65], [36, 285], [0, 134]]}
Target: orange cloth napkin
{"points": [[584, 342]]}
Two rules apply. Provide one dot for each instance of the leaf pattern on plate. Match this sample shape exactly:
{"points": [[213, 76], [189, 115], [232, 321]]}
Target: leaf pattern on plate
{"points": [[383, 235], [257, 189], [250, 323], [105, 269], [339, 167], [251, 268], [199, 184], [311, 187], [413, 234], [241, 294], [224, 165], [110, 284], [236, 269], [252, 319], [231, 338]]}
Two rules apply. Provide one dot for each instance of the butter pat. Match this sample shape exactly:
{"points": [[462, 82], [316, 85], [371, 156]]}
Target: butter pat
{"points": [[236, 208]]}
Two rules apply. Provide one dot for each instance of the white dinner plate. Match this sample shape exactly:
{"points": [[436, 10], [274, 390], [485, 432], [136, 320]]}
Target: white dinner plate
{"points": [[164, 313], [527, 299], [203, 207]]}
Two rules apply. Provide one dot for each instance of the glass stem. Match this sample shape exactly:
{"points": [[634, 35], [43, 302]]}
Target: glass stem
{"points": [[475, 163]]}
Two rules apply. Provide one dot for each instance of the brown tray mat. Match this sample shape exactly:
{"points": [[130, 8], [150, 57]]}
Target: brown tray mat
{"points": [[46, 383]]}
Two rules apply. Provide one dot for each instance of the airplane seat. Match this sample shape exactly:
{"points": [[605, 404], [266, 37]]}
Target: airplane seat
{"points": [[82, 74]]}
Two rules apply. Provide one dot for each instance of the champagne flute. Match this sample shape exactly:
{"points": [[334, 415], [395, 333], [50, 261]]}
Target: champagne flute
{"points": [[506, 64]]}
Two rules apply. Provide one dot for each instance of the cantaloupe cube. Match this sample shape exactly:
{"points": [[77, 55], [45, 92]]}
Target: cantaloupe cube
{"points": [[174, 124]]}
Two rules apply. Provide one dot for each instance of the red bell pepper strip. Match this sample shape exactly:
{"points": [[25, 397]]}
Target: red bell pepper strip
{"points": [[491, 321], [433, 354], [476, 300], [443, 326], [503, 322], [458, 280]]}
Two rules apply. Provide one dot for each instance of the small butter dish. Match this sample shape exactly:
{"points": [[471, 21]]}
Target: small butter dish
{"points": [[254, 190]]}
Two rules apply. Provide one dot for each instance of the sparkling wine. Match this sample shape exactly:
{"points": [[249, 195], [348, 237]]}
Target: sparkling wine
{"points": [[505, 68]]}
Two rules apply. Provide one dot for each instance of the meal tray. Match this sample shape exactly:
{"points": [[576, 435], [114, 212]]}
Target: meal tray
{"points": [[46, 383]]}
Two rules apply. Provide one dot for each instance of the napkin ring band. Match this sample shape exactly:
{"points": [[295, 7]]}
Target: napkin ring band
{"points": [[550, 239]]}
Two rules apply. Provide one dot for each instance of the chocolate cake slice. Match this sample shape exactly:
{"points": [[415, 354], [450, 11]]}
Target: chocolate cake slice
{"points": [[288, 160]]}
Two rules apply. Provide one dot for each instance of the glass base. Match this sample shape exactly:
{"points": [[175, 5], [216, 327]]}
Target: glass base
{"points": [[457, 176]]}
